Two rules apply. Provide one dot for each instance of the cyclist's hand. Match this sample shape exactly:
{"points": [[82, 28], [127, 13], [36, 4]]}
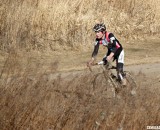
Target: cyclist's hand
{"points": [[105, 61]]}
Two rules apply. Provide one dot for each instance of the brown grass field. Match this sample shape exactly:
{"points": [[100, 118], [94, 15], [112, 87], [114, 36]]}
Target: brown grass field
{"points": [[44, 81], [39, 95]]}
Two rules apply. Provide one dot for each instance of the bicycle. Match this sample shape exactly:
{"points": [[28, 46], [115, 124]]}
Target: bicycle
{"points": [[114, 82]]}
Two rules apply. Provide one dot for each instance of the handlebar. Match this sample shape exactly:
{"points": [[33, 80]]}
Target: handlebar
{"points": [[108, 65]]}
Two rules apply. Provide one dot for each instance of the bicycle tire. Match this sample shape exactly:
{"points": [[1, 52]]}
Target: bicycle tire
{"points": [[131, 83], [111, 81]]}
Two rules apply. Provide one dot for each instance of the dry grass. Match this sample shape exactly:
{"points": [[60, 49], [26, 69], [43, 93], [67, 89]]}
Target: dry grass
{"points": [[55, 24], [35, 95], [33, 99]]}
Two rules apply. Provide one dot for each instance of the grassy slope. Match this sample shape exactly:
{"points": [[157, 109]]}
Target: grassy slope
{"points": [[51, 25]]}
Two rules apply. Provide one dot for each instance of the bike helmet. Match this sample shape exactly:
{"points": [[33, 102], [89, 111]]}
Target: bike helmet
{"points": [[99, 27]]}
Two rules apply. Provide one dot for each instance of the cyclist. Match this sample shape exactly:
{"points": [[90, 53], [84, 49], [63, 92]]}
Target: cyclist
{"points": [[115, 50]]}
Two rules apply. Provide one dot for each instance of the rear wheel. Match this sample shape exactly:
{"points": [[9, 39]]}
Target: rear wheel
{"points": [[131, 84]]}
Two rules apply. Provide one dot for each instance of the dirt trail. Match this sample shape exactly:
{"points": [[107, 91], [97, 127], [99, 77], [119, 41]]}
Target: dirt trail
{"points": [[151, 70], [148, 69]]}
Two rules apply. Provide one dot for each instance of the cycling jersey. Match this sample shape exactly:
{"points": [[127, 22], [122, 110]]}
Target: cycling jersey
{"points": [[111, 43]]}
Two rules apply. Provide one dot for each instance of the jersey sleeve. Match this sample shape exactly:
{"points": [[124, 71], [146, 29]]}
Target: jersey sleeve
{"points": [[96, 48], [113, 42]]}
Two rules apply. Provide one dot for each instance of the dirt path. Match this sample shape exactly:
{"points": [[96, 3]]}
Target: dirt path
{"points": [[147, 76], [152, 69], [147, 69]]}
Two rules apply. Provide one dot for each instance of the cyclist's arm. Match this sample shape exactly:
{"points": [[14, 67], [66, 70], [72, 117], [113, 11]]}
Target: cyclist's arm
{"points": [[94, 54], [113, 42], [110, 56], [95, 51]]}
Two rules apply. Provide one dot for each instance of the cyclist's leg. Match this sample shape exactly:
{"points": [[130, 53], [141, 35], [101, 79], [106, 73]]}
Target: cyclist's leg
{"points": [[120, 65], [120, 72]]}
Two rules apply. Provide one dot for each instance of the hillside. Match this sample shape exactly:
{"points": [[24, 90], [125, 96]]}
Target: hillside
{"points": [[54, 24]]}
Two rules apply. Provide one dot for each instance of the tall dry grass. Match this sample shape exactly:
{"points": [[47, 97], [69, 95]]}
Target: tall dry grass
{"points": [[54, 24], [32, 99]]}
